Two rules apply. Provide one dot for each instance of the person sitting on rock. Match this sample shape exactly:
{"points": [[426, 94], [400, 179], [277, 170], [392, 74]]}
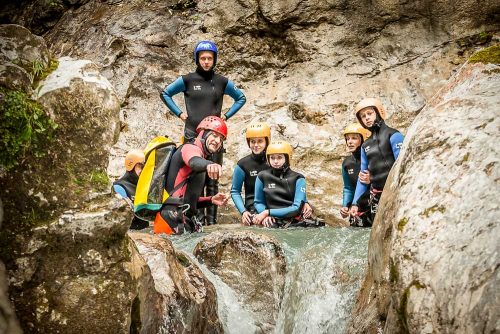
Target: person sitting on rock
{"points": [[126, 185], [258, 137], [186, 178], [378, 152], [354, 135], [280, 192], [204, 91]]}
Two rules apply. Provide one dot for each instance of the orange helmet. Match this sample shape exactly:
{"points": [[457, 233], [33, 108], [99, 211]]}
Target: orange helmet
{"points": [[369, 102], [357, 128], [259, 130], [280, 147], [132, 158]]}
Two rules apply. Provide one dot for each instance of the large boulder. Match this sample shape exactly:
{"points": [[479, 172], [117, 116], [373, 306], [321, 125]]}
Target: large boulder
{"points": [[183, 296], [19, 46], [72, 169], [73, 275], [251, 264], [433, 251]]}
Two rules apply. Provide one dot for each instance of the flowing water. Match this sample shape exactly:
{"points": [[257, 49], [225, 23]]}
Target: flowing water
{"points": [[324, 270]]}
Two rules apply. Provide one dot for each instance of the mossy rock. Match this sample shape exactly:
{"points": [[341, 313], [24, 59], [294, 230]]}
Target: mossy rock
{"points": [[489, 55]]}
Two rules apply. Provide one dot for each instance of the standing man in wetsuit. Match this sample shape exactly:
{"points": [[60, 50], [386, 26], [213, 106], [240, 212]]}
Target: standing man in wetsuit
{"points": [[378, 152], [203, 94]]}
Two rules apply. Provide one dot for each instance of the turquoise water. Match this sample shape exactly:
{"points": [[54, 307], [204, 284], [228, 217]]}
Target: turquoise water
{"points": [[324, 270]]}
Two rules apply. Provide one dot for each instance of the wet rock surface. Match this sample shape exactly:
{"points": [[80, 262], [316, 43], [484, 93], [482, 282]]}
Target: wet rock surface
{"points": [[181, 299], [70, 276], [432, 260], [253, 265]]}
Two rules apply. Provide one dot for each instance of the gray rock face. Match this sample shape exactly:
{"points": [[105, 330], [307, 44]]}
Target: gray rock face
{"points": [[19, 46], [302, 65], [433, 251], [70, 276], [181, 299], [253, 265]]}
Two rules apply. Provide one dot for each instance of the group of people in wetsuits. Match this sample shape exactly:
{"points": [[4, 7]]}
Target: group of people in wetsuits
{"points": [[274, 194]]}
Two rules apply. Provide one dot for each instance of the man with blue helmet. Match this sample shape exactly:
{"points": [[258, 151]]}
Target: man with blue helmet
{"points": [[204, 91]]}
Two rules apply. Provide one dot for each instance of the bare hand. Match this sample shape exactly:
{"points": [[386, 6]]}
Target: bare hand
{"points": [[344, 212], [307, 210], [214, 171], [364, 177], [183, 116], [246, 218], [220, 199], [258, 219], [354, 211], [268, 221]]}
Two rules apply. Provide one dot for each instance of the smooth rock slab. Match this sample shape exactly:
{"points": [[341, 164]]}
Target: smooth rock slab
{"points": [[433, 251], [251, 264], [182, 300]]}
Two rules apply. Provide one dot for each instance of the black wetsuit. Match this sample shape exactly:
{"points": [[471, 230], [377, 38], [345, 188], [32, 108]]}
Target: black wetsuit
{"points": [[350, 172], [129, 182]]}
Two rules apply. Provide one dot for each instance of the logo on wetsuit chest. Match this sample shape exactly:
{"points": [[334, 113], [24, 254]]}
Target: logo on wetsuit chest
{"points": [[350, 171], [271, 186], [367, 148], [197, 87], [253, 173]]}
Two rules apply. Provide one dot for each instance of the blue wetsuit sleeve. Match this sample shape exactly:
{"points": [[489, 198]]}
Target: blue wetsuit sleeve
{"points": [[259, 199], [361, 187], [120, 190], [166, 96], [294, 209], [236, 187], [238, 97], [396, 143], [348, 193]]}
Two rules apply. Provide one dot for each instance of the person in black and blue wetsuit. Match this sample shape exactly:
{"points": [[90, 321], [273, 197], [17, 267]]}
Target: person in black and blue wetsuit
{"points": [[378, 152], [354, 135], [280, 193], [126, 185], [204, 91], [258, 136]]}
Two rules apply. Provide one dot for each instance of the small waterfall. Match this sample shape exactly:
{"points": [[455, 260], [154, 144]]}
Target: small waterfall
{"points": [[325, 268]]}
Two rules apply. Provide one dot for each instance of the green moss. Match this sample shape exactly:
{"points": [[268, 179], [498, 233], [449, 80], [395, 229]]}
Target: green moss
{"points": [[393, 272], [25, 128], [99, 180], [53, 64], [183, 260], [403, 304], [489, 55], [427, 212], [402, 224]]}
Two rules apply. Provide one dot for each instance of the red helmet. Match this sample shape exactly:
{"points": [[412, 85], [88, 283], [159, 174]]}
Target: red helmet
{"points": [[213, 123]]}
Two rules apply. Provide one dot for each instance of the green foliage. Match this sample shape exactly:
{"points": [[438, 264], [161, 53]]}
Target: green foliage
{"points": [[489, 55], [99, 180], [38, 72], [24, 128]]}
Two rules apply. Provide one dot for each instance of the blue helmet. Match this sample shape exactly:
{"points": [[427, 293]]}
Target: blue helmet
{"points": [[205, 46]]}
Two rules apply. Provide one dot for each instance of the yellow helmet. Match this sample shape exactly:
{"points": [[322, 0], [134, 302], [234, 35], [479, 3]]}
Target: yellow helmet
{"points": [[277, 147], [370, 102], [357, 128], [259, 130], [132, 158]]}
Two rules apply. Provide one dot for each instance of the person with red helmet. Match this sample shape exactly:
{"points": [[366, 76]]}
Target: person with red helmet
{"points": [[204, 91], [186, 176]]}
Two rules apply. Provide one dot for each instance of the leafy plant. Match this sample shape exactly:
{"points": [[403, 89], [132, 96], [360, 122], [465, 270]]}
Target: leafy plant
{"points": [[24, 127]]}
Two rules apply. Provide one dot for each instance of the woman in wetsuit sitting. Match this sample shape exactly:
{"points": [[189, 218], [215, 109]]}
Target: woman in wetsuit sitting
{"points": [[280, 192]]}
